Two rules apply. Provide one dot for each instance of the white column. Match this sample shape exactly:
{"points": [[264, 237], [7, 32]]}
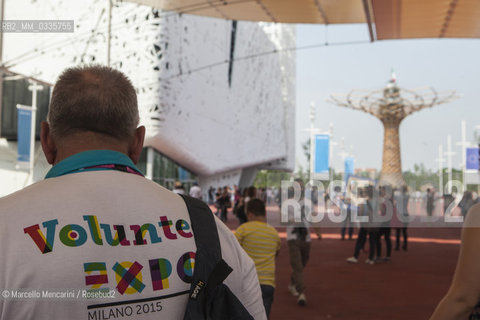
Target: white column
{"points": [[34, 87], [464, 144], [440, 161], [312, 136], [330, 151], [449, 155], [343, 154], [149, 166]]}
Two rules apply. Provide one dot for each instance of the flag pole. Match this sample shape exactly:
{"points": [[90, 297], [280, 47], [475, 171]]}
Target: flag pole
{"points": [[34, 87]]}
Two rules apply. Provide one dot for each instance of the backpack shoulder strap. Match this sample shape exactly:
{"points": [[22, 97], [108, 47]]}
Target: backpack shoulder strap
{"points": [[210, 269], [204, 227]]}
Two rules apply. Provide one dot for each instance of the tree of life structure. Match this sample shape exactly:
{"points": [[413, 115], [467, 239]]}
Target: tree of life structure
{"points": [[391, 105]]}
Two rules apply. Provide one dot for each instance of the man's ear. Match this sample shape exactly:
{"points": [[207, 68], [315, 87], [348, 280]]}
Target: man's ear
{"points": [[136, 145], [48, 144]]}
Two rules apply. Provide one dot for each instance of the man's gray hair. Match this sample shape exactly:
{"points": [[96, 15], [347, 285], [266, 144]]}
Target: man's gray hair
{"points": [[93, 98]]}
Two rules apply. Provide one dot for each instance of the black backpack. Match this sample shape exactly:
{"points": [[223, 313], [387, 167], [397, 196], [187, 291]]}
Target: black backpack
{"points": [[209, 297]]}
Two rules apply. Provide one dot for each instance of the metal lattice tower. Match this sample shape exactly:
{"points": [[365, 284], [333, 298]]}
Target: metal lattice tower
{"points": [[391, 105]]}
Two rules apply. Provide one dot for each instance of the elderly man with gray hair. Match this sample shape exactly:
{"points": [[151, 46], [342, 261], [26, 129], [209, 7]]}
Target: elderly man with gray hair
{"points": [[95, 239]]}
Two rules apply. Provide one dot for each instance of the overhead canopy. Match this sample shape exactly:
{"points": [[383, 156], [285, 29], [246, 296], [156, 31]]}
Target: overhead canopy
{"points": [[387, 19], [403, 19], [285, 11]]}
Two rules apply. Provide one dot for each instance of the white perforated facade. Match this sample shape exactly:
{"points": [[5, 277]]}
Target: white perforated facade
{"points": [[222, 119]]}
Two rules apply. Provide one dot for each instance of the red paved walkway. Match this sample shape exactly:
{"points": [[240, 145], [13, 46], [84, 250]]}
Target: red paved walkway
{"points": [[408, 287]]}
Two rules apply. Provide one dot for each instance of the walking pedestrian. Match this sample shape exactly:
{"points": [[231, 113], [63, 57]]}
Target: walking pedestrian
{"points": [[402, 214], [430, 201], [299, 242], [388, 210], [367, 208], [262, 243]]}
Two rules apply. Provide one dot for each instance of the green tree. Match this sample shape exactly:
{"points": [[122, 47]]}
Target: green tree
{"points": [[421, 176], [301, 173], [270, 178], [306, 149]]}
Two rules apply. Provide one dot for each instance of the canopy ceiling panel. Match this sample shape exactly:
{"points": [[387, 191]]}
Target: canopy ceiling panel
{"points": [[285, 11], [243, 10], [391, 19], [403, 19], [465, 18], [343, 11], [282, 11]]}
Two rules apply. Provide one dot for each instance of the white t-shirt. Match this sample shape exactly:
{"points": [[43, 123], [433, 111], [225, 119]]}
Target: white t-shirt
{"points": [[294, 236], [59, 240], [291, 235], [179, 191]]}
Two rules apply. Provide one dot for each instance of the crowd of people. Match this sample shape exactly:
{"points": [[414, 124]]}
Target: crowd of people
{"points": [[385, 210], [435, 203], [260, 240], [262, 243]]}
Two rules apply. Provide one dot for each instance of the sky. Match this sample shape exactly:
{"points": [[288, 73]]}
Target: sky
{"points": [[444, 64]]}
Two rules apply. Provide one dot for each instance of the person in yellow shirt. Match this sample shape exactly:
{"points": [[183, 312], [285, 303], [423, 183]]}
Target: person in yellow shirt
{"points": [[262, 243]]}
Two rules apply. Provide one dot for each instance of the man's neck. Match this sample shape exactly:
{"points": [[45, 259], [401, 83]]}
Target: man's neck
{"points": [[86, 142], [257, 218], [63, 154]]}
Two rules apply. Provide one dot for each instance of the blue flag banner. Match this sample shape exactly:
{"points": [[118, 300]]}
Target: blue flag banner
{"points": [[472, 159], [349, 167], [322, 149], [24, 126]]}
